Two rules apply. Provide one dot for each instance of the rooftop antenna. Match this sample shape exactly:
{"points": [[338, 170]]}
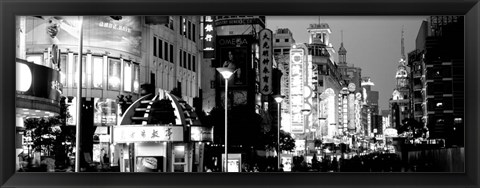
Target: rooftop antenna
{"points": [[342, 35]]}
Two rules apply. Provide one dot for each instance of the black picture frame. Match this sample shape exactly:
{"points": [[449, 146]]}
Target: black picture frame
{"points": [[10, 8]]}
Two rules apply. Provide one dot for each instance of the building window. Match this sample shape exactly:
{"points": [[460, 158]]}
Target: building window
{"points": [[160, 48], [98, 72], [189, 62], [84, 62], [286, 51], [166, 51], [171, 53], [63, 69], [180, 58], [189, 30], [184, 59], [170, 23], [194, 64], [184, 27], [277, 40], [155, 46], [193, 33], [277, 51], [136, 75], [114, 74], [127, 76], [286, 40]]}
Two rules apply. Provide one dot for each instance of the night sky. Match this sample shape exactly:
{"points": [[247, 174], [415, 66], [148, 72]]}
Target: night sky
{"points": [[373, 43]]}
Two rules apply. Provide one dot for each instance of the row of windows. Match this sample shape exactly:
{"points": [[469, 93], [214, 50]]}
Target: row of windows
{"points": [[163, 50], [278, 40], [187, 29], [187, 60], [93, 72]]}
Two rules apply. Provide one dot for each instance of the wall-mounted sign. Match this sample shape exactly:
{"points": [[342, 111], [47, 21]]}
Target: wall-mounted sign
{"points": [[296, 90], [266, 54], [37, 81], [200, 134], [208, 36], [147, 133], [237, 20]]}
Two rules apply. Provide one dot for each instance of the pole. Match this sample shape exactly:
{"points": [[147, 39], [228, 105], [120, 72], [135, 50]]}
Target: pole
{"points": [[79, 98], [278, 138], [226, 125]]}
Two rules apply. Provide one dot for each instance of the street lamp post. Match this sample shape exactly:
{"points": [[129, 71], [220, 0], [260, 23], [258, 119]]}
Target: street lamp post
{"points": [[278, 99], [226, 74], [305, 113], [78, 148]]}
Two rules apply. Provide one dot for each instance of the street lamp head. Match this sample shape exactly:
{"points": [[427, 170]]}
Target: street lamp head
{"points": [[278, 98], [226, 72]]}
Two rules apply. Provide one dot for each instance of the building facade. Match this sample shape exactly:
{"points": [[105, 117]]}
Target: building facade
{"points": [[119, 53], [442, 77]]}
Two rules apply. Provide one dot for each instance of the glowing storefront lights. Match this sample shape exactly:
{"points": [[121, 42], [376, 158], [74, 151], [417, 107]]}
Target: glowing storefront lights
{"points": [[24, 77]]}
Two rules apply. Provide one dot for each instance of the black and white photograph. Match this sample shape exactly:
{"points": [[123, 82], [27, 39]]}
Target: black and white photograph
{"points": [[240, 94]]}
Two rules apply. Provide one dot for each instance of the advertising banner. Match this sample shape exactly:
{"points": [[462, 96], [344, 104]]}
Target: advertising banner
{"points": [[37, 81], [135, 133], [234, 52], [105, 111], [266, 61], [121, 33]]}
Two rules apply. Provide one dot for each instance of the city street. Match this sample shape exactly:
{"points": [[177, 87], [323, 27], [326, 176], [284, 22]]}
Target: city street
{"points": [[320, 94]]}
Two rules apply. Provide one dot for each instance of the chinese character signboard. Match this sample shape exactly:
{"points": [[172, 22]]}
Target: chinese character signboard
{"points": [[296, 89], [266, 61], [208, 35], [135, 133]]}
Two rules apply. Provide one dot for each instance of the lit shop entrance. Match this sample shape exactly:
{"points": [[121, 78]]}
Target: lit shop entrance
{"points": [[159, 133]]}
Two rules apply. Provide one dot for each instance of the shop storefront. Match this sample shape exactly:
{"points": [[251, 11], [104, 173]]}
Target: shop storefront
{"points": [[159, 133]]}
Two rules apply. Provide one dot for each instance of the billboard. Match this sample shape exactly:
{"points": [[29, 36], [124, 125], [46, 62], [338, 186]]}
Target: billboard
{"points": [[121, 33], [234, 52]]}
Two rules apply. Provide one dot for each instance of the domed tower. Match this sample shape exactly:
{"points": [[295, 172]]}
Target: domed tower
{"points": [[400, 102]]}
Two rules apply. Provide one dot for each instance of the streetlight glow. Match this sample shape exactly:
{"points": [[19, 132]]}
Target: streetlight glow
{"points": [[226, 72]]}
